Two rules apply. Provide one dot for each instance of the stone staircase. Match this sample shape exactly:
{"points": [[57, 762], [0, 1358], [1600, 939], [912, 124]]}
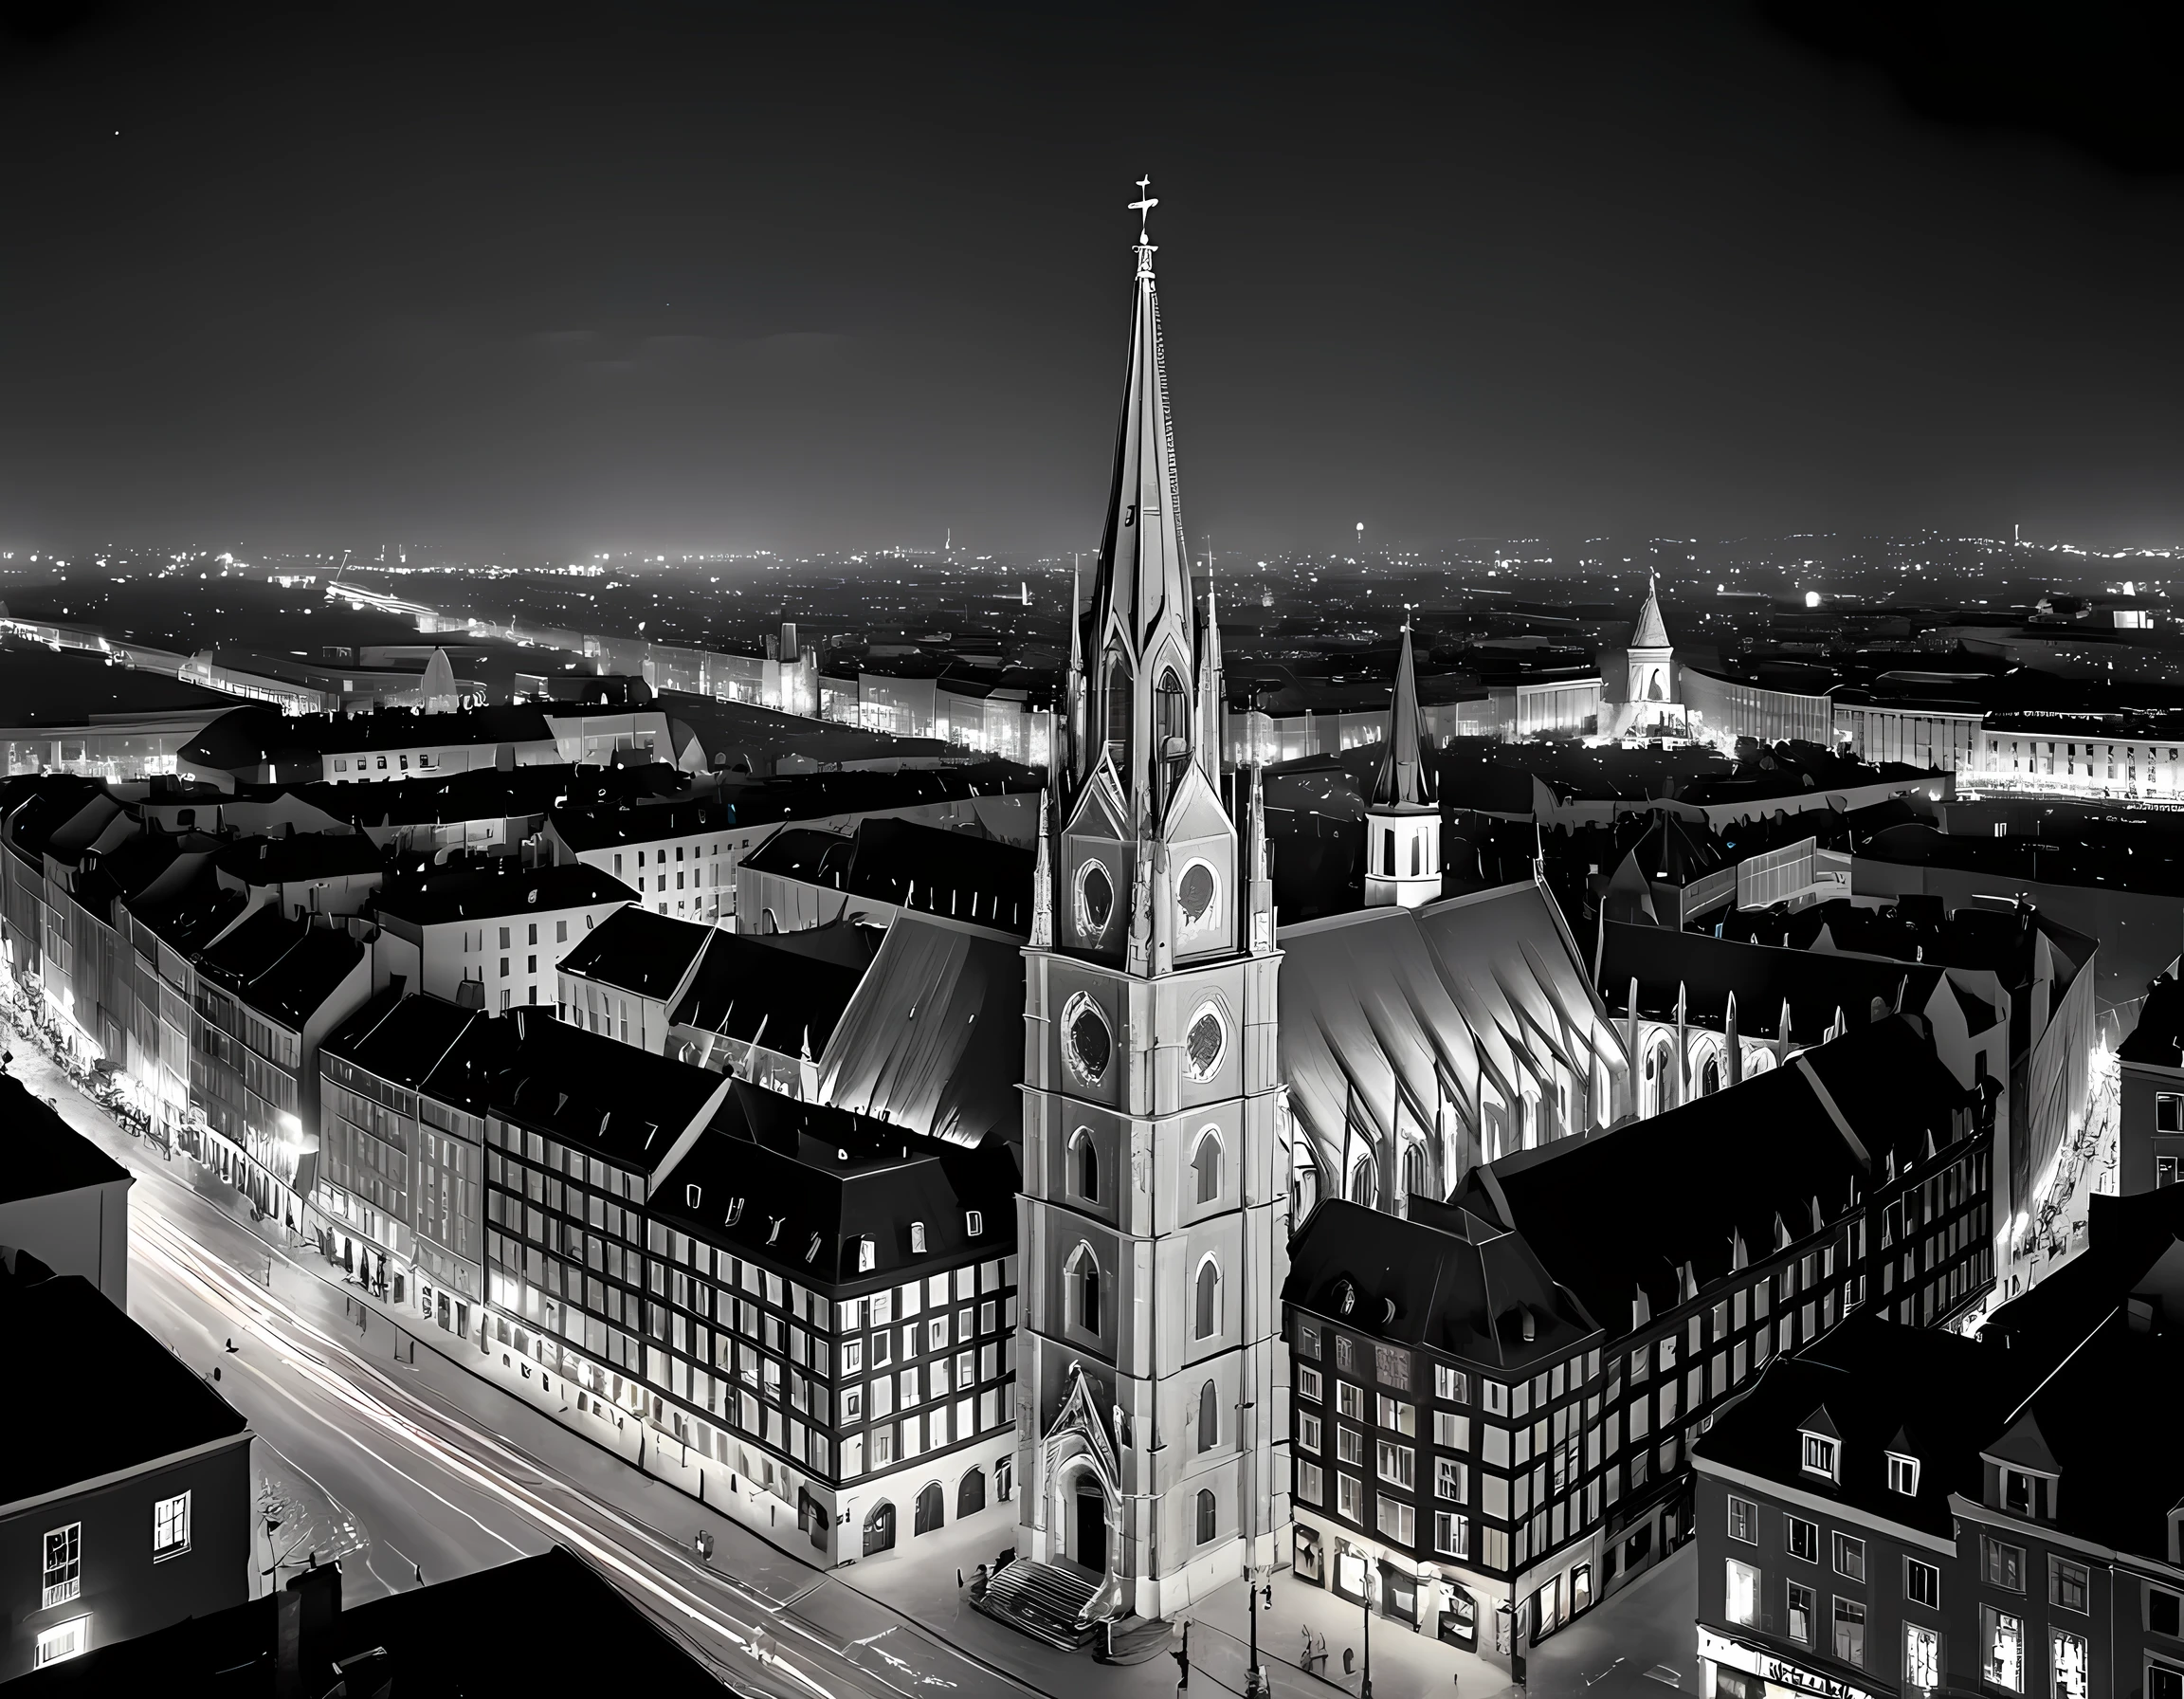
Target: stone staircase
{"points": [[1043, 1600]]}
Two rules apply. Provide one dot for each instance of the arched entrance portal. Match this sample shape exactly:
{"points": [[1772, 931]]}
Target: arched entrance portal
{"points": [[1088, 1526]]}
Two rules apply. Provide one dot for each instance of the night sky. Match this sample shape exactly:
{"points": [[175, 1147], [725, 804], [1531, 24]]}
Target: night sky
{"points": [[531, 279]]}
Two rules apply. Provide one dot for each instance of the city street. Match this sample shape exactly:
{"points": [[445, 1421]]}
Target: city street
{"points": [[406, 1466]]}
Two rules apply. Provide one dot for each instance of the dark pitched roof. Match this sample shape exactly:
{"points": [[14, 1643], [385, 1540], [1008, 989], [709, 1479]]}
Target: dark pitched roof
{"points": [[191, 918], [1631, 1208], [603, 828], [806, 1183], [1761, 977], [402, 1037], [1931, 1394], [285, 969], [307, 855], [45, 1154], [603, 1096], [957, 875], [751, 986], [636, 950], [1441, 1278], [117, 1373], [472, 892], [429, 1633], [933, 1037], [2157, 1039]]}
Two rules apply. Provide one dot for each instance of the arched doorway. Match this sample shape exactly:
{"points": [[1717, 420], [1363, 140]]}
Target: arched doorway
{"points": [[880, 1529], [1088, 1526], [971, 1493], [930, 1509]]}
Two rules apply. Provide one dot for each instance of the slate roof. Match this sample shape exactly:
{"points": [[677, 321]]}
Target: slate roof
{"points": [[1630, 1208], [119, 1371], [1443, 1278], [45, 1154], [794, 1173], [1760, 976], [933, 1038], [1388, 1001], [957, 875], [306, 855], [638, 951], [402, 1036], [749, 986], [596, 1093], [497, 886], [1926, 1392], [604, 828]]}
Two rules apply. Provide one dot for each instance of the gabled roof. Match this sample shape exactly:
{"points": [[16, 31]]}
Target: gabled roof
{"points": [[1441, 1278], [796, 1186], [1761, 977], [934, 1038], [284, 969], [501, 888], [306, 855], [1630, 1210], [753, 987], [1384, 1002], [402, 1036], [120, 1371], [636, 950], [956, 874], [605, 1097], [45, 1155]]}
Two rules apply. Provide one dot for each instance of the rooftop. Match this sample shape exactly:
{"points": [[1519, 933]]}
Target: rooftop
{"points": [[597, 1093], [46, 1155], [402, 1037], [116, 1372], [638, 951], [428, 895]]}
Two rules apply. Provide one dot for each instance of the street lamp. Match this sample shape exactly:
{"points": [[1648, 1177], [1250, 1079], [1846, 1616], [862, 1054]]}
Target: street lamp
{"points": [[1255, 1686], [1371, 1575]]}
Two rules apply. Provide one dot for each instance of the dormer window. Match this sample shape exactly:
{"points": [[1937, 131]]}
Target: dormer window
{"points": [[917, 1238], [974, 1222], [1820, 1455], [2019, 1495], [1902, 1475], [735, 1210], [863, 1256]]}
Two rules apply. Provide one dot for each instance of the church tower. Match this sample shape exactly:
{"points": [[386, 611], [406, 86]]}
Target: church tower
{"points": [[1153, 1412], [1652, 658], [1402, 817]]}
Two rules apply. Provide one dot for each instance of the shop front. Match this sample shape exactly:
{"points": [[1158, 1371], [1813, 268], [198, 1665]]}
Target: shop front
{"points": [[1733, 1669]]}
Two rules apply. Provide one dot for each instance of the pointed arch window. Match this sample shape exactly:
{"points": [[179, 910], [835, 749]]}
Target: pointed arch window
{"points": [[1205, 1165], [1710, 1077], [1206, 1320], [1208, 1417], [1174, 714], [1416, 1182], [1115, 708], [1362, 1189], [1083, 1275], [1085, 1156]]}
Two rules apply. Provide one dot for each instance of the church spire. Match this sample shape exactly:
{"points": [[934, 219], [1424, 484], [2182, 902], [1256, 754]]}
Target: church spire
{"points": [[1404, 777], [1651, 630], [1139, 632], [1213, 703]]}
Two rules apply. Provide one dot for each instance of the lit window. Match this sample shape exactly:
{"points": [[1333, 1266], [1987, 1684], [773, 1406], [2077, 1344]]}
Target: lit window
{"points": [[1742, 1600], [67, 1640], [2002, 1648], [170, 1527], [64, 1566], [1921, 1656]]}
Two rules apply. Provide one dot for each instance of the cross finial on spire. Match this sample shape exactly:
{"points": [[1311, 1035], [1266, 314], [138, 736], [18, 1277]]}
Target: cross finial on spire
{"points": [[1143, 205]]}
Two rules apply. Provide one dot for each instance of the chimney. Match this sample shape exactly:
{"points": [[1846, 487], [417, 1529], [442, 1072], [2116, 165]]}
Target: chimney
{"points": [[305, 1613]]}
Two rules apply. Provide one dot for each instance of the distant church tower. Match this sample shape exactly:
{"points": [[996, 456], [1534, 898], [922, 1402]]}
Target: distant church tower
{"points": [[1402, 817], [1652, 658], [1152, 1385]]}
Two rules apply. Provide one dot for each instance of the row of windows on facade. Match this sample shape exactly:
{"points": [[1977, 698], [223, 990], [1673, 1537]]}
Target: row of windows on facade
{"points": [[365, 764], [1205, 1164], [2003, 1568], [1086, 1286]]}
